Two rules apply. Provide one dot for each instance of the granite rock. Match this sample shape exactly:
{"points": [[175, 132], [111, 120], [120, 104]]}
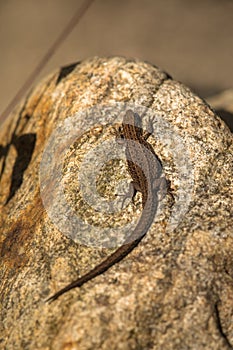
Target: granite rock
{"points": [[175, 290]]}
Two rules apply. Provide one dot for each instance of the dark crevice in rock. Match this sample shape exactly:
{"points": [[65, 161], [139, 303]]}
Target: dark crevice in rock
{"points": [[220, 328], [227, 117], [24, 145], [65, 71]]}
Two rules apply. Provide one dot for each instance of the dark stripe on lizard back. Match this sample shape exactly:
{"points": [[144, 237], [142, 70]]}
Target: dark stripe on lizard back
{"points": [[138, 151]]}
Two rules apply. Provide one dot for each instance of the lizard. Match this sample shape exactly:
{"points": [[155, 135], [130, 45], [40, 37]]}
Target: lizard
{"points": [[145, 169]]}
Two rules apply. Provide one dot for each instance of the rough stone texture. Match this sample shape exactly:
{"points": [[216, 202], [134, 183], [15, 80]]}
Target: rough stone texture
{"points": [[223, 104], [175, 290]]}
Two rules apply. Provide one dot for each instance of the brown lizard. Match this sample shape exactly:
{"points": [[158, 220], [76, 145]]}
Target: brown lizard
{"points": [[145, 169]]}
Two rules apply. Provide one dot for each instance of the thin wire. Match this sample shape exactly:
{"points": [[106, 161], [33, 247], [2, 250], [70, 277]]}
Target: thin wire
{"points": [[70, 26]]}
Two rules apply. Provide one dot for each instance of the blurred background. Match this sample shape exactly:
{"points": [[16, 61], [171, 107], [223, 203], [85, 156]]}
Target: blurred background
{"points": [[191, 40]]}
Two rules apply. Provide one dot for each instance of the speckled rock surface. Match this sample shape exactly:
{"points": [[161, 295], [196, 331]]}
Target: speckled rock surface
{"points": [[175, 290], [223, 104]]}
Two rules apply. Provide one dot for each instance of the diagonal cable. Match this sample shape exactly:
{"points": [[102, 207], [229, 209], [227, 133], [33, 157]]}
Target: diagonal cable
{"points": [[61, 38]]}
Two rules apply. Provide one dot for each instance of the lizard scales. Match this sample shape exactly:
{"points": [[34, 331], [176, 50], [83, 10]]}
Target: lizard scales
{"points": [[145, 169]]}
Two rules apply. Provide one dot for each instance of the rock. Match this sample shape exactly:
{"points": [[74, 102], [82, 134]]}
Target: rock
{"points": [[175, 290], [223, 104]]}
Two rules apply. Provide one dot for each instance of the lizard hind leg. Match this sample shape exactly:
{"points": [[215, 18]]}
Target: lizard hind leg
{"points": [[131, 193]]}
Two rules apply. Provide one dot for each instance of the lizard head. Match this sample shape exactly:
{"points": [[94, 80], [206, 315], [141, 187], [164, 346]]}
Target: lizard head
{"points": [[132, 118]]}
